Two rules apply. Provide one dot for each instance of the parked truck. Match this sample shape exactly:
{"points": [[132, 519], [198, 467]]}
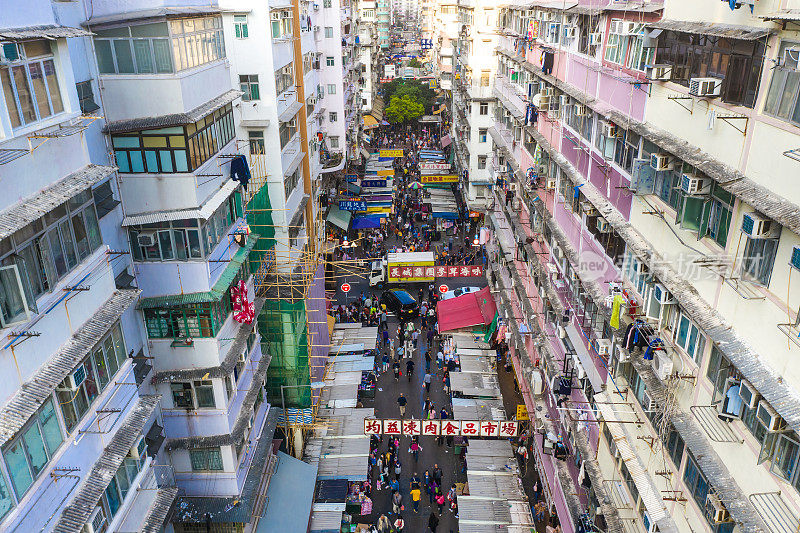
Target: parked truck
{"points": [[402, 267]]}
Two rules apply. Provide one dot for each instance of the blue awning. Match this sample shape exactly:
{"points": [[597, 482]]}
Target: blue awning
{"points": [[367, 221], [448, 215], [290, 489]]}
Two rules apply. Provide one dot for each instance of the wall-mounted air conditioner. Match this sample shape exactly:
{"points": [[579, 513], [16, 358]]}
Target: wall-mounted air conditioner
{"points": [[695, 185], [748, 394], [757, 226], [661, 162], [661, 72], [706, 87], [662, 364], [603, 226]]}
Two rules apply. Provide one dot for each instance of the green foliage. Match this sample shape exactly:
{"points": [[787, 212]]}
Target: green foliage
{"points": [[403, 109], [414, 63], [413, 88]]}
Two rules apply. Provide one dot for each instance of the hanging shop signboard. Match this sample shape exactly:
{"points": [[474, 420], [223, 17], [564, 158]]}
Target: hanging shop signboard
{"points": [[353, 205], [440, 271], [386, 172], [439, 179], [351, 178], [434, 166], [391, 152], [447, 428], [373, 183]]}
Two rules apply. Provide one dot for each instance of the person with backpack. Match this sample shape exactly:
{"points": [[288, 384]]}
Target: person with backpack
{"points": [[439, 501], [415, 448], [409, 369], [396, 368]]}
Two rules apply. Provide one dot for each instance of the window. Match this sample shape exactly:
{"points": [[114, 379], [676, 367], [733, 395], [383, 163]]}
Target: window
{"points": [[30, 83], [164, 150], [719, 370], [587, 24], [625, 45], [697, 484], [77, 392], [104, 201], [783, 98], [206, 459], [286, 131], [290, 182], [758, 259], [326, 3], [331, 88], [329, 32], [281, 24], [332, 116], [626, 149], [284, 78], [44, 252], [674, 445], [248, 83], [6, 501], [308, 62], [32, 448], [120, 484], [240, 26], [719, 215], [86, 96], [689, 337], [484, 78], [256, 139], [204, 392], [737, 62], [482, 135], [329, 61], [484, 108], [481, 162], [334, 142], [188, 321]]}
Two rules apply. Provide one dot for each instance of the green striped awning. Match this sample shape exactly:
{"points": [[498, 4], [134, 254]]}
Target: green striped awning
{"points": [[339, 218], [217, 291]]}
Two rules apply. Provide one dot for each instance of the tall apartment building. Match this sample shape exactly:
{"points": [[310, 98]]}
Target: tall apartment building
{"points": [[649, 249], [368, 49], [124, 238], [384, 18]]}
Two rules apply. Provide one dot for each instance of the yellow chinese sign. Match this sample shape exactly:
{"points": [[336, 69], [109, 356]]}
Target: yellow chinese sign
{"points": [[391, 152], [522, 412], [439, 179], [387, 172]]}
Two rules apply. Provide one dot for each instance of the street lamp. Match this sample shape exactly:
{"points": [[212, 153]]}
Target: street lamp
{"points": [[314, 385]]}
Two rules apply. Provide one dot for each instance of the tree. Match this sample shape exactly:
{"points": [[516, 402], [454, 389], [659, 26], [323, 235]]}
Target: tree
{"points": [[414, 63], [417, 90], [403, 109]]}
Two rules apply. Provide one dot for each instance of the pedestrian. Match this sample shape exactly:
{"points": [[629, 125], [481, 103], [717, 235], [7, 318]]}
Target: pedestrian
{"points": [[415, 337], [446, 381], [383, 524], [409, 369], [394, 485], [415, 448], [402, 401], [427, 381], [415, 498], [427, 362], [440, 359], [538, 510], [397, 469], [437, 474], [433, 522], [399, 525], [397, 502], [440, 501], [537, 491], [385, 362], [396, 368], [385, 336]]}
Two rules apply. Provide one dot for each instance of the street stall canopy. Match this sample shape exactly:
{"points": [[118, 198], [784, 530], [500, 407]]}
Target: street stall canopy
{"points": [[472, 309], [291, 487], [367, 221], [339, 218], [370, 122]]}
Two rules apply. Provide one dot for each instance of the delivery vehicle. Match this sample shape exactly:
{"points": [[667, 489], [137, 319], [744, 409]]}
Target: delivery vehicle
{"points": [[400, 303], [458, 292], [402, 267]]}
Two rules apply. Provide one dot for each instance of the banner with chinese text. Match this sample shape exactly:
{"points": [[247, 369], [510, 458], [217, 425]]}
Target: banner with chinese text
{"points": [[391, 152], [439, 179], [434, 166], [353, 205], [446, 428], [440, 271]]}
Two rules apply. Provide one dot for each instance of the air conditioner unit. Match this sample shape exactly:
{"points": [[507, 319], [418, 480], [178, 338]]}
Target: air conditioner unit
{"points": [[661, 162], [570, 32], [292, 123], [705, 86], [580, 372], [662, 295], [544, 102], [748, 394], [581, 110], [716, 509], [96, 521], [139, 448], [795, 260], [658, 72], [609, 129], [603, 226], [648, 404], [589, 210], [548, 91], [602, 346], [565, 100], [74, 379], [694, 184], [662, 364], [791, 58], [769, 417], [551, 184], [146, 238], [757, 226], [595, 39]]}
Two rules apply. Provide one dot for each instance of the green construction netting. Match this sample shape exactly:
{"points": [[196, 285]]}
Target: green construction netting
{"points": [[281, 323]]}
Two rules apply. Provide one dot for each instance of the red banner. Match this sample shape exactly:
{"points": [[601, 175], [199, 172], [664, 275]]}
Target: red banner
{"points": [[469, 428], [439, 271]]}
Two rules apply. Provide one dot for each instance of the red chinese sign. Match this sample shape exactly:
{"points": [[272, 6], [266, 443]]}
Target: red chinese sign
{"points": [[447, 428], [440, 271]]}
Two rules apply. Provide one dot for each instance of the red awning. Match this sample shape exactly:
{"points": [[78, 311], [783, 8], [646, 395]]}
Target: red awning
{"points": [[473, 309]]}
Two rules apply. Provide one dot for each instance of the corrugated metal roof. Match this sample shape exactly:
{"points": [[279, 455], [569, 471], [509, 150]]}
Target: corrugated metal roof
{"points": [[217, 291], [176, 119], [33, 207], [635, 5], [46, 31], [153, 13], [226, 367], [730, 31], [240, 425], [159, 509], [30, 396], [290, 111], [204, 212], [94, 484], [782, 14]]}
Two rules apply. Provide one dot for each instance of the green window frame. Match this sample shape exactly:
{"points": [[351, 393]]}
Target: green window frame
{"points": [[248, 83], [240, 26], [206, 459], [189, 321]]}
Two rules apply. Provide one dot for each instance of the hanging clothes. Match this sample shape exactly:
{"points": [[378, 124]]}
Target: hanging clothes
{"points": [[240, 171], [548, 59], [616, 310]]}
